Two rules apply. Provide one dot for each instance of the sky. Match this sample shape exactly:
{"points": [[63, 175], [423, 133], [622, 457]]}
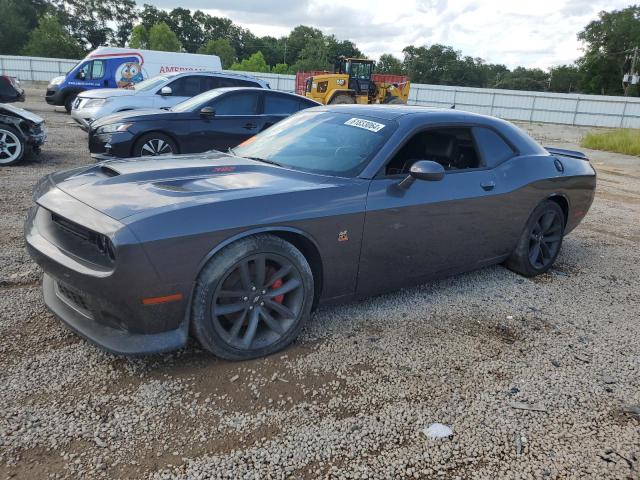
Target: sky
{"points": [[540, 33]]}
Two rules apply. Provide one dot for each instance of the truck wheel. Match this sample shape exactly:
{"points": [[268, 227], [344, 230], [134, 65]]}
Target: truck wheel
{"points": [[12, 146], [252, 298], [394, 101], [342, 98], [68, 102]]}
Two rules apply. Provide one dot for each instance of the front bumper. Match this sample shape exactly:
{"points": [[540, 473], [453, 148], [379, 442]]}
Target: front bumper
{"points": [[54, 95], [82, 118], [119, 144], [103, 302]]}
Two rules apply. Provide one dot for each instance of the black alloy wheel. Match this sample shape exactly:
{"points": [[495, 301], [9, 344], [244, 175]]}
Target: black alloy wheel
{"points": [[252, 298]]}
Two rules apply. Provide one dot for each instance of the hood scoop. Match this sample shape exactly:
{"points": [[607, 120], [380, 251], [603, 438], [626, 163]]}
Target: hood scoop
{"points": [[109, 171]]}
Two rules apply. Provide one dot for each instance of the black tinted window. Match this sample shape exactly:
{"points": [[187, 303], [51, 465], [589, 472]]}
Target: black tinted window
{"points": [[238, 104], [210, 83], [492, 147], [275, 104], [185, 86]]}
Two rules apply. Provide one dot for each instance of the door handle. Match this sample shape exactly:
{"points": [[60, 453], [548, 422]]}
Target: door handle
{"points": [[488, 185], [250, 126]]}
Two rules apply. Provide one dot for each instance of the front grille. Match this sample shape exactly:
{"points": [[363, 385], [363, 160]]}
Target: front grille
{"points": [[73, 297]]}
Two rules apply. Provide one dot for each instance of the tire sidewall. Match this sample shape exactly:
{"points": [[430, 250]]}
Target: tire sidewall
{"points": [[519, 260], [23, 145], [68, 102], [216, 270]]}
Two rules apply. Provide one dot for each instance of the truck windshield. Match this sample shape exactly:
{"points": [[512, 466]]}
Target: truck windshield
{"points": [[149, 84]]}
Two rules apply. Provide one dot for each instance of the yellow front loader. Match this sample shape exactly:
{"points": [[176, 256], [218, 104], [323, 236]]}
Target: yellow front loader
{"points": [[353, 81]]}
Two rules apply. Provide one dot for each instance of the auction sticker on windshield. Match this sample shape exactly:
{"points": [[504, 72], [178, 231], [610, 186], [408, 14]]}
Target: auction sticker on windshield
{"points": [[366, 124]]}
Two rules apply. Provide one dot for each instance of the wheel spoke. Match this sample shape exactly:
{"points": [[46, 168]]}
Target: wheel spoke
{"points": [[546, 252], [537, 228], [284, 271], [148, 148], [271, 322], [534, 253], [237, 324], [279, 308], [286, 288], [261, 266], [547, 220], [554, 229], [245, 277], [551, 238], [228, 308], [3, 138], [250, 334], [232, 293]]}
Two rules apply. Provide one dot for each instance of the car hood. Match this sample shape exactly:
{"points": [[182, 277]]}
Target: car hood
{"points": [[19, 112], [135, 116], [108, 92], [126, 187]]}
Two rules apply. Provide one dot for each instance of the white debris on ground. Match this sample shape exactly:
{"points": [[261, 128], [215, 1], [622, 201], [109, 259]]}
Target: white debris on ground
{"points": [[437, 430]]}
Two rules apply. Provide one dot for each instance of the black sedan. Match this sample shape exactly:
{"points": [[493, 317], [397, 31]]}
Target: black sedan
{"points": [[331, 204], [217, 119]]}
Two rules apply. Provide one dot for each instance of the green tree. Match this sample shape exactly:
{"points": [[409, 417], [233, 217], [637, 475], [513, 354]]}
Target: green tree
{"points": [[608, 41], [314, 56], [389, 64], [522, 78], [564, 79], [222, 48], [17, 19], [255, 63], [91, 21], [298, 39], [281, 68], [139, 37], [162, 38], [187, 28], [50, 39]]}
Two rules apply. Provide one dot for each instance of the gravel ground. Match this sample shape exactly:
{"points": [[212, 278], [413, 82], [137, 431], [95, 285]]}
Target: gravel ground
{"points": [[538, 378]]}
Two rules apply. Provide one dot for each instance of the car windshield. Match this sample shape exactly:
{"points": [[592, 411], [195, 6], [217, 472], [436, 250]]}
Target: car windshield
{"points": [[149, 83], [194, 102], [330, 143]]}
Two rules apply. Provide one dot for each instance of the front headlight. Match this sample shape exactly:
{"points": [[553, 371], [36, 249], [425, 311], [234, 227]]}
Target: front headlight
{"points": [[94, 102], [114, 127], [56, 81]]}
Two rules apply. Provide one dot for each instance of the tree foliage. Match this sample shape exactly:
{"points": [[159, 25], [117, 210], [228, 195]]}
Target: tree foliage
{"points": [[162, 38], [50, 39], [222, 48], [255, 63], [389, 64]]}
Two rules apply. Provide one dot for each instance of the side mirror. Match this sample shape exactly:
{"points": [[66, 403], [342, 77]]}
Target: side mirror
{"points": [[207, 112], [166, 91], [423, 170], [81, 75]]}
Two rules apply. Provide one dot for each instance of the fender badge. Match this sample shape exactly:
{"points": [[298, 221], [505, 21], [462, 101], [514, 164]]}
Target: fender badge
{"points": [[343, 236]]}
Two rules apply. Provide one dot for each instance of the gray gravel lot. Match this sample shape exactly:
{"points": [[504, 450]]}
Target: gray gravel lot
{"points": [[538, 378]]}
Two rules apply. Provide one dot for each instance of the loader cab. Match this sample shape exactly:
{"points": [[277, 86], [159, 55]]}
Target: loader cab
{"points": [[360, 71]]}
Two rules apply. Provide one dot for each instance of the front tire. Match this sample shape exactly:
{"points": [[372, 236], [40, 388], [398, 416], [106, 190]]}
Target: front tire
{"points": [[68, 102], [342, 99], [540, 242], [154, 144], [12, 146], [252, 298]]}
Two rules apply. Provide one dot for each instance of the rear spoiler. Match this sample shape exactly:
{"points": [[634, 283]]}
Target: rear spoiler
{"points": [[566, 153]]}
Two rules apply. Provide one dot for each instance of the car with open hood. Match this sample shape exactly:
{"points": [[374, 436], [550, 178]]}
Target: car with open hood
{"points": [[330, 204], [22, 133]]}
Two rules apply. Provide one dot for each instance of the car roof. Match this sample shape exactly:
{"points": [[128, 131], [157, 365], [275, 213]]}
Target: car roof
{"points": [[209, 73], [270, 92]]}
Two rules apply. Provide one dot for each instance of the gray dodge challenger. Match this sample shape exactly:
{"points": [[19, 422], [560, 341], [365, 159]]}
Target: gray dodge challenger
{"points": [[334, 203]]}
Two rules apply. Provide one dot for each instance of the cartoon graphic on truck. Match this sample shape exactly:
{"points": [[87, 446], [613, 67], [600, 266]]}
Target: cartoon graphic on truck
{"points": [[129, 74]]}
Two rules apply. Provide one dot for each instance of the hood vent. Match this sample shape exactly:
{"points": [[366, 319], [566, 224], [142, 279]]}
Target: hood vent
{"points": [[108, 171]]}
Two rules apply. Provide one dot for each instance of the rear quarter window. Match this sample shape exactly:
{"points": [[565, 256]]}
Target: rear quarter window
{"points": [[275, 104], [493, 148]]}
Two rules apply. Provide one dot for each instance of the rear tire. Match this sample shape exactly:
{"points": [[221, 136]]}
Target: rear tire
{"points": [[252, 298], [540, 242], [12, 146], [154, 144], [342, 99]]}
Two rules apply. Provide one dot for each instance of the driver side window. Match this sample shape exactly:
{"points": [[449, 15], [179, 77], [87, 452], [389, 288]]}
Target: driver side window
{"points": [[453, 148]]}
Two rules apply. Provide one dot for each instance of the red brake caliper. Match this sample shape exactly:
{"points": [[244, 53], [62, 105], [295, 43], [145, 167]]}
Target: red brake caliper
{"points": [[276, 285]]}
